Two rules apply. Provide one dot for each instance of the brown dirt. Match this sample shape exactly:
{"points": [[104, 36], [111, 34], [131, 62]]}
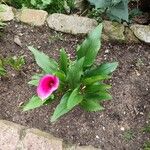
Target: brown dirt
{"points": [[129, 109]]}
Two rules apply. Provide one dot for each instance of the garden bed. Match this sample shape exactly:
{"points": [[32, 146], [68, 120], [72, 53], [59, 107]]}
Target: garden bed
{"points": [[118, 127]]}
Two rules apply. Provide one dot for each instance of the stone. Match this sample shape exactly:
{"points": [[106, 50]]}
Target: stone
{"points": [[71, 24], [75, 147], [130, 37], [17, 137], [17, 40], [9, 135], [79, 4], [142, 32], [38, 140], [32, 16], [86, 148], [113, 31], [6, 13]]}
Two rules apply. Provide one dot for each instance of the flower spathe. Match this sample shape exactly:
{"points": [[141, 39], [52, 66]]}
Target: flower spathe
{"points": [[47, 85]]}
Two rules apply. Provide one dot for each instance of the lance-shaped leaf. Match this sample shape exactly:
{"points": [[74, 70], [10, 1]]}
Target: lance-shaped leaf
{"points": [[36, 102], [47, 64], [100, 96], [91, 105], [74, 73], [64, 61], [94, 79], [74, 99], [35, 79], [90, 47], [60, 75], [103, 69], [61, 108], [97, 88]]}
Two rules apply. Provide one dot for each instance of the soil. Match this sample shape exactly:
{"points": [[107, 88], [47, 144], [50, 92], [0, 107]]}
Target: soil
{"points": [[127, 114]]}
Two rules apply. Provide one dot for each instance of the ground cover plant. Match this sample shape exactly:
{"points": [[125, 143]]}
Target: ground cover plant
{"points": [[147, 131], [14, 62], [80, 81]]}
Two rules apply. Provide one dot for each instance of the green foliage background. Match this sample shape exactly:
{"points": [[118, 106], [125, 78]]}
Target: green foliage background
{"points": [[49, 5]]}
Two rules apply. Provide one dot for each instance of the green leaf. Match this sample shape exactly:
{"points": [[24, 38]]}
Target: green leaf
{"points": [[103, 69], [115, 9], [64, 61], [93, 79], [91, 105], [46, 2], [35, 79], [74, 99], [49, 100], [16, 62], [100, 96], [74, 73], [119, 11], [47, 64], [101, 3], [33, 2], [2, 71], [34, 102], [34, 82], [97, 88], [90, 47], [61, 108], [60, 75]]}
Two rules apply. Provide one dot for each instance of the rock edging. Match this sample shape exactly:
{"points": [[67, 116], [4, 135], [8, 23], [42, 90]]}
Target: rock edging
{"points": [[14, 136], [74, 24]]}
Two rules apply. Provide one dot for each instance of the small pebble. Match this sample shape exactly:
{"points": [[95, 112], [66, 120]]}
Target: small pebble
{"points": [[106, 51], [17, 41], [13, 75], [137, 73], [122, 128], [97, 137], [20, 34], [141, 113], [104, 128]]}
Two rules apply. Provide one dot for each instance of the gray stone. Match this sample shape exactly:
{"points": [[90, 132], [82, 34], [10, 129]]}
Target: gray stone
{"points": [[86, 148], [17, 137], [142, 32], [9, 135], [32, 16], [75, 147], [17, 40], [113, 31], [6, 13], [71, 24], [38, 140]]}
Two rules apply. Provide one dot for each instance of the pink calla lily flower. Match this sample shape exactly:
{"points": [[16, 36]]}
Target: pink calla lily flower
{"points": [[47, 85]]}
